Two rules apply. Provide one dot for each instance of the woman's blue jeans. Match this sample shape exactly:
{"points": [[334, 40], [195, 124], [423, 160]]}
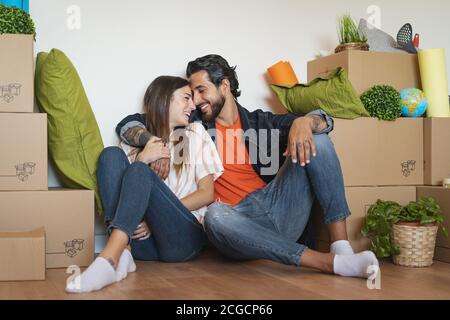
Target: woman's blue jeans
{"points": [[132, 193]]}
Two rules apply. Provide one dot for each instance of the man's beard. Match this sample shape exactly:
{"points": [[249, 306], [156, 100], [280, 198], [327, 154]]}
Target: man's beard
{"points": [[216, 108]]}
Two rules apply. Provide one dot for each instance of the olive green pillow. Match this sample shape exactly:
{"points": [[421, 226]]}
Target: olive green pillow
{"points": [[74, 139], [333, 93]]}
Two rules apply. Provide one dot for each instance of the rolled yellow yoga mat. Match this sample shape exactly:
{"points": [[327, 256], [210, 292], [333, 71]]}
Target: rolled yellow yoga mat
{"points": [[283, 74], [433, 73]]}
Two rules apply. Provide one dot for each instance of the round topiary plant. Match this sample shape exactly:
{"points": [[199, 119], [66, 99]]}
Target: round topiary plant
{"points": [[382, 102], [16, 21]]}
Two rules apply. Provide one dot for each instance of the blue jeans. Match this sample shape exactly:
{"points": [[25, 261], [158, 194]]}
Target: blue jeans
{"points": [[268, 222], [133, 192]]}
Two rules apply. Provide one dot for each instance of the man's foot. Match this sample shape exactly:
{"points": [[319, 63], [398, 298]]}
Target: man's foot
{"points": [[341, 247], [99, 274], [126, 265], [355, 265]]}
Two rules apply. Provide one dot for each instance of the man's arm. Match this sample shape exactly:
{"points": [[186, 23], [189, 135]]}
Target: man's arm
{"points": [[132, 130], [136, 136]]}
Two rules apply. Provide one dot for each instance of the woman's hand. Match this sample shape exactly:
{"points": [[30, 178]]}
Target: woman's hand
{"points": [[142, 232], [154, 150]]}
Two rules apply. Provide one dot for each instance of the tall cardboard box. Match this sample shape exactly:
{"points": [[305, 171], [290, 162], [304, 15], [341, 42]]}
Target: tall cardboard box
{"points": [[436, 142], [379, 153], [359, 200], [16, 73], [442, 196], [68, 218], [23, 145], [22, 255], [367, 68]]}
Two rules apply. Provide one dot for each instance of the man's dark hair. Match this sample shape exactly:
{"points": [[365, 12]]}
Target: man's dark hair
{"points": [[218, 69]]}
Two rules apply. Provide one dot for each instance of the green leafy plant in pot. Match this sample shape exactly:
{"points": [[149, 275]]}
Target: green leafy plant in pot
{"points": [[408, 233], [16, 21], [349, 36], [382, 102]]}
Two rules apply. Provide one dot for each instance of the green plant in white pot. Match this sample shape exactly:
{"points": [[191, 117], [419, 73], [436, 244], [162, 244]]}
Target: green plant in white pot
{"points": [[408, 233], [349, 36]]}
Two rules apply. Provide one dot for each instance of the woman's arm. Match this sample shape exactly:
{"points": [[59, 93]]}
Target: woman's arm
{"points": [[203, 196]]}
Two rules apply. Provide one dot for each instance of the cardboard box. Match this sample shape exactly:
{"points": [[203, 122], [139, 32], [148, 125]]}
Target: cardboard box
{"points": [[380, 153], [22, 255], [366, 69], [442, 196], [436, 150], [359, 200], [68, 218], [23, 144], [16, 73]]}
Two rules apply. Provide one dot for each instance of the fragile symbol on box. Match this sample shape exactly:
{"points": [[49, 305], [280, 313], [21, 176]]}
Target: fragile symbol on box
{"points": [[73, 247], [408, 166], [9, 91], [23, 171]]}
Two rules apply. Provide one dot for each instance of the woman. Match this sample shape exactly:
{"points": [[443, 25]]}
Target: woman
{"points": [[134, 197]]}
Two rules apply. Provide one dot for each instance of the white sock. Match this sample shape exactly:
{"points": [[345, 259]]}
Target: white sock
{"points": [[355, 265], [126, 265], [99, 274], [341, 247]]}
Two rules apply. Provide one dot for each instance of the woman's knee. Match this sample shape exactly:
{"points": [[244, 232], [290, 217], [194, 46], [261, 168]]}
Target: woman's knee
{"points": [[111, 156]]}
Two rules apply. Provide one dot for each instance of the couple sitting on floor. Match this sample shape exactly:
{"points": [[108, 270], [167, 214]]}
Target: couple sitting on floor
{"points": [[198, 166]]}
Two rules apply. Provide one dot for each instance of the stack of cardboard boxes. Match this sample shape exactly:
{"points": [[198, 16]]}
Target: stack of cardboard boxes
{"points": [[30, 213], [383, 159]]}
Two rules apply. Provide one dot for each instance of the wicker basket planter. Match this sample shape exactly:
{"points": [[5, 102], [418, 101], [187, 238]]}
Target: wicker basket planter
{"points": [[416, 243], [363, 46]]}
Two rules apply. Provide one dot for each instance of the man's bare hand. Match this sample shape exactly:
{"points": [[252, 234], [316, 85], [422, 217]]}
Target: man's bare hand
{"points": [[161, 167], [301, 142]]}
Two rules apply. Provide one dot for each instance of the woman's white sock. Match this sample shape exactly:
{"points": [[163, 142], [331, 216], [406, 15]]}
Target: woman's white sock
{"points": [[341, 247], [99, 274], [126, 265], [355, 265]]}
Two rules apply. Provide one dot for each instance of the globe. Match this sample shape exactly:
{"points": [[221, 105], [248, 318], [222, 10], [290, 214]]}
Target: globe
{"points": [[414, 103]]}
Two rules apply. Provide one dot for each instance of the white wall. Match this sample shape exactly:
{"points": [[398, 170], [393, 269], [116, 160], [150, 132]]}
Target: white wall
{"points": [[123, 45]]}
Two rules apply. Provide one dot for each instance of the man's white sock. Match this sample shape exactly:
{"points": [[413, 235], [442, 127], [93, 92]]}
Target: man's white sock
{"points": [[126, 265], [99, 274], [355, 265], [341, 247]]}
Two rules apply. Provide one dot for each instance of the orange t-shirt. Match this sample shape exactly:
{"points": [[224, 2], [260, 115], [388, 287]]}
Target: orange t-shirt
{"points": [[239, 178]]}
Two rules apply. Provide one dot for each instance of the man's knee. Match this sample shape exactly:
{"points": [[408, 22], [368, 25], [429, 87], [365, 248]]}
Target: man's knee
{"points": [[323, 142]]}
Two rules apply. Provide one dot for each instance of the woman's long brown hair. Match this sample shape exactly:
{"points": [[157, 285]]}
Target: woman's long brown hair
{"points": [[157, 102], [156, 106]]}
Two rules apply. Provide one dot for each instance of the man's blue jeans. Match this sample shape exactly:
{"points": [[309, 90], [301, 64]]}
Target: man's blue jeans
{"points": [[133, 192], [267, 223]]}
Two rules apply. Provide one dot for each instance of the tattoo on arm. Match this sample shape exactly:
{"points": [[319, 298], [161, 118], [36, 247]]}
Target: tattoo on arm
{"points": [[318, 124], [137, 137]]}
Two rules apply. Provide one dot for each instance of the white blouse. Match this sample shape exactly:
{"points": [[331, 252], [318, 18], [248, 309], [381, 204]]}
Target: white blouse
{"points": [[202, 160]]}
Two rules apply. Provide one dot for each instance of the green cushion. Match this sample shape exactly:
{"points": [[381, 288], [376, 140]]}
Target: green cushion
{"points": [[74, 138], [333, 93]]}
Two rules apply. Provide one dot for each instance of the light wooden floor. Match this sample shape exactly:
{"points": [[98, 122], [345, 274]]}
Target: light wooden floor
{"points": [[212, 277]]}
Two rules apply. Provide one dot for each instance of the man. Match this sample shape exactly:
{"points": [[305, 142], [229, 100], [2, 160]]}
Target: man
{"points": [[261, 212]]}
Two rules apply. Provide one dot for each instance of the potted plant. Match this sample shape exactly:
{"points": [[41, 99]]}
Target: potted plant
{"points": [[349, 36], [16, 21], [408, 233]]}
